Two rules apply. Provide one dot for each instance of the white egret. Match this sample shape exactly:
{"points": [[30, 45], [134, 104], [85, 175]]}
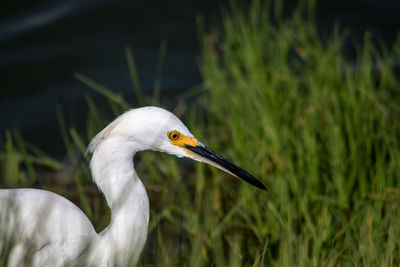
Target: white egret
{"points": [[61, 232]]}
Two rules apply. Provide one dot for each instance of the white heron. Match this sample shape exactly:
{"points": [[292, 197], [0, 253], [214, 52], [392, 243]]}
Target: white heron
{"points": [[60, 232]]}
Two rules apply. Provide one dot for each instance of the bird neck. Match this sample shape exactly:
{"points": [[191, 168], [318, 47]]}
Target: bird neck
{"points": [[113, 172]]}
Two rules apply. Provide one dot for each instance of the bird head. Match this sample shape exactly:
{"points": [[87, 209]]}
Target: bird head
{"points": [[158, 129]]}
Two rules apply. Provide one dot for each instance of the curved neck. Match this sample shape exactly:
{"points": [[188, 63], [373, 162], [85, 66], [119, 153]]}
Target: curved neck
{"points": [[114, 174]]}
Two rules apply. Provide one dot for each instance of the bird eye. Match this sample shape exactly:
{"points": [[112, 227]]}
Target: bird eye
{"points": [[173, 135]]}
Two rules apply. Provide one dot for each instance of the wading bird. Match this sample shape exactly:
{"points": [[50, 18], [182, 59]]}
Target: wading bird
{"points": [[60, 232]]}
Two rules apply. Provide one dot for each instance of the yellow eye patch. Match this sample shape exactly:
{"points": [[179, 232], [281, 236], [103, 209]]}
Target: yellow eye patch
{"points": [[181, 140], [174, 135]]}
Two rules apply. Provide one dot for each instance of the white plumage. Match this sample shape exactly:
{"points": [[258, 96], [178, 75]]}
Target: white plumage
{"points": [[60, 233]]}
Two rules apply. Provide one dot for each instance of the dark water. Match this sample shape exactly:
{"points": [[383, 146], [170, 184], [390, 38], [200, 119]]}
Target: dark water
{"points": [[42, 43]]}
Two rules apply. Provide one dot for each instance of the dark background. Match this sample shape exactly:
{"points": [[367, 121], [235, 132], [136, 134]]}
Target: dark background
{"points": [[42, 43]]}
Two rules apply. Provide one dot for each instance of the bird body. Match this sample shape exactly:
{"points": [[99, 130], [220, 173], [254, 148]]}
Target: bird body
{"points": [[41, 219], [61, 233]]}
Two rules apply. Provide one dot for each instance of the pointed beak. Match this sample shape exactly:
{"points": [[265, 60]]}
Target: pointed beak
{"points": [[202, 153]]}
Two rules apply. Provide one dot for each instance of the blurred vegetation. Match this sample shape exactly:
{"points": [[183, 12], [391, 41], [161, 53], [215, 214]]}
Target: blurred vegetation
{"points": [[320, 130]]}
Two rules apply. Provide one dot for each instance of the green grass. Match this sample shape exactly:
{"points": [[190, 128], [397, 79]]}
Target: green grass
{"points": [[322, 133]]}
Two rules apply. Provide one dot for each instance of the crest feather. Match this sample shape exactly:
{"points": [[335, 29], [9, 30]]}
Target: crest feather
{"points": [[98, 139]]}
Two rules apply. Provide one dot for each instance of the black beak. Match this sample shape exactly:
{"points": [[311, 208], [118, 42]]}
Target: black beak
{"points": [[207, 155]]}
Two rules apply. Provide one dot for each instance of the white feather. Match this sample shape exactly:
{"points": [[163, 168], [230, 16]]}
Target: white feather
{"points": [[60, 232]]}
